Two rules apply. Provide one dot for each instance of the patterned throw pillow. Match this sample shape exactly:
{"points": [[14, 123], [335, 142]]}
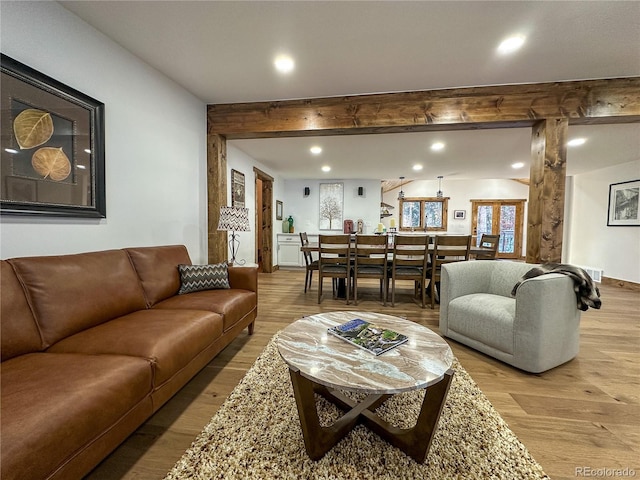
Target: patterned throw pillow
{"points": [[194, 278]]}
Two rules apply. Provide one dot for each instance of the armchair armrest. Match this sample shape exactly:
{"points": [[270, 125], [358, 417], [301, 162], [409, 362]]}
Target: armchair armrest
{"points": [[547, 320]]}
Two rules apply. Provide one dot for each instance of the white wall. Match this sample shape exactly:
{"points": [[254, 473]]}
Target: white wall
{"points": [[306, 210], [155, 140], [591, 242], [240, 161]]}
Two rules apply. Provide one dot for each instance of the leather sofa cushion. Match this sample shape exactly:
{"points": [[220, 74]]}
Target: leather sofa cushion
{"points": [[157, 268], [232, 304], [54, 405], [19, 333], [71, 293], [169, 338]]}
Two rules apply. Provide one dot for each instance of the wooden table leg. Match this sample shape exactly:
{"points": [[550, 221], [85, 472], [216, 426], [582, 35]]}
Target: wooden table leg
{"points": [[318, 440], [415, 441]]}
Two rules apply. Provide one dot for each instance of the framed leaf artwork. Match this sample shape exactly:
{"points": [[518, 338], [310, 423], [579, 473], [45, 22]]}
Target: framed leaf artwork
{"points": [[52, 152]]}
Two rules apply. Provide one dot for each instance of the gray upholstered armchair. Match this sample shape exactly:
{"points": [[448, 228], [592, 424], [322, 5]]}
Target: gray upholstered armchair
{"points": [[535, 331]]}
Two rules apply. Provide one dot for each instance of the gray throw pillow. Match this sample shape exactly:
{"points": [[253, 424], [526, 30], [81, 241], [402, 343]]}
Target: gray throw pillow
{"points": [[194, 278]]}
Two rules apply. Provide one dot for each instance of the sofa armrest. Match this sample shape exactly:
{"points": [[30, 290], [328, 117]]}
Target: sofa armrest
{"points": [[245, 278]]}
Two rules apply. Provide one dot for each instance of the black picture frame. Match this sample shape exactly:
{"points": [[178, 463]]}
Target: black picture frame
{"points": [[279, 210], [459, 214], [237, 189], [52, 146], [622, 210]]}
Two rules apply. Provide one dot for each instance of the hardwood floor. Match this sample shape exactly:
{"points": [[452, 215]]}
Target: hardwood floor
{"points": [[582, 415]]}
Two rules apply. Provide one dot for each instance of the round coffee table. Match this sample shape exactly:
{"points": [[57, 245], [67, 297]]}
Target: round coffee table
{"points": [[322, 363]]}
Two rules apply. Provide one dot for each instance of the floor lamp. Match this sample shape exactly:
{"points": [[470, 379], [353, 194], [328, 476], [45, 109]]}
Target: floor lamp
{"points": [[234, 219]]}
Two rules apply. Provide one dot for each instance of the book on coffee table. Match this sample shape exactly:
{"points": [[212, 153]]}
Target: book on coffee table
{"points": [[368, 336]]}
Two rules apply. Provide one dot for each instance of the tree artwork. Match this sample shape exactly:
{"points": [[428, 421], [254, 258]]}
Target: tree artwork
{"points": [[331, 201]]}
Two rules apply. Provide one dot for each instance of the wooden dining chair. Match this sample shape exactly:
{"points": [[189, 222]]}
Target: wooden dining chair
{"points": [[489, 241], [410, 257], [334, 260], [446, 249], [370, 261], [311, 265]]}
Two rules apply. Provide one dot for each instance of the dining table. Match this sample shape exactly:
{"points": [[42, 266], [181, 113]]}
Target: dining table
{"points": [[315, 247], [474, 250]]}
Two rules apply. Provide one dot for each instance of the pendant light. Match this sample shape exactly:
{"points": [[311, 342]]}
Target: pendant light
{"points": [[401, 193], [439, 194]]}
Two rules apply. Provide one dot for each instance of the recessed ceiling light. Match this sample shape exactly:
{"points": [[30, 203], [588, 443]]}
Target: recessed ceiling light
{"points": [[326, 168], [517, 165], [437, 146], [417, 167], [284, 63], [81, 167], [316, 150], [511, 44], [87, 150], [576, 142], [10, 150]]}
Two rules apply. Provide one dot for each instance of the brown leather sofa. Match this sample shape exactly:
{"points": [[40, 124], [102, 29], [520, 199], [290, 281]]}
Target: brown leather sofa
{"points": [[93, 344]]}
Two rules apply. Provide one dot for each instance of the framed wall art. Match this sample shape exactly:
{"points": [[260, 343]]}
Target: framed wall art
{"points": [[52, 152], [623, 204], [278, 210], [237, 189], [459, 214], [331, 206]]}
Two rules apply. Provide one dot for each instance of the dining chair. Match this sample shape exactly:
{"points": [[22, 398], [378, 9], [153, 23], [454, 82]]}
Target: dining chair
{"points": [[311, 265], [446, 249], [334, 260], [489, 241], [370, 261], [410, 257]]}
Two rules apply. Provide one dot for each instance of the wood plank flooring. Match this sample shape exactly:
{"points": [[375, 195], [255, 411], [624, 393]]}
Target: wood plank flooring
{"points": [[585, 413]]}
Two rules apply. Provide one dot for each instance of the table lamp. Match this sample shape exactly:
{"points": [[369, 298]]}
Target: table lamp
{"points": [[234, 219]]}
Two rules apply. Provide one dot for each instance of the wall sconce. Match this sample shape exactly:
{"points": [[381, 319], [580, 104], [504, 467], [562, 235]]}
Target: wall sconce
{"points": [[307, 191]]}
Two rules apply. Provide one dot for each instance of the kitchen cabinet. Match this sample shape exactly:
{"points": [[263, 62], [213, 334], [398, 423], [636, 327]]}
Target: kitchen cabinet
{"points": [[289, 254]]}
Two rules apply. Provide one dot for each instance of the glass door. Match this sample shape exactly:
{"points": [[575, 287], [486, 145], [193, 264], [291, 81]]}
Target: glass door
{"points": [[504, 217]]}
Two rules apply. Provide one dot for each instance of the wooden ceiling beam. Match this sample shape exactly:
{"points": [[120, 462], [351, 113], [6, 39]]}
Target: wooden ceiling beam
{"points": [[581, 102]]}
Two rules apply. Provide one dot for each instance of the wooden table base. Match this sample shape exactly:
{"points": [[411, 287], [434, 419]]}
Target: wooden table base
{"points": [[318, 440]]}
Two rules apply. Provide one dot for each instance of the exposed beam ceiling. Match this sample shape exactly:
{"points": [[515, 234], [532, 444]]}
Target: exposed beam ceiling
{"points": [[222, 52]]}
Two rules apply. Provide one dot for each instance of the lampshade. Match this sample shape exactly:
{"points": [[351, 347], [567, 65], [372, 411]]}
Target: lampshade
{"points": [[235, 219]]}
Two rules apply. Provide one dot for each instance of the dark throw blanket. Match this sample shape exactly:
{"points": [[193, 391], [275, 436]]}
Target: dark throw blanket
{"points": [[587, 294]]}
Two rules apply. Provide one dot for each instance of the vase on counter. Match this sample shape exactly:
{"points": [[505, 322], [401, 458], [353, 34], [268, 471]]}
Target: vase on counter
{"points": [[290, 220]]}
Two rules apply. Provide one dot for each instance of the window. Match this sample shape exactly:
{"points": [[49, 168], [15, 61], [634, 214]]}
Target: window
{"points": [[428, 213], [503, 217]]}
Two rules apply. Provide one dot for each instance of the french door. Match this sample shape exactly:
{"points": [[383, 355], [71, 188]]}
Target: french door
{"points": [[503, 217]]}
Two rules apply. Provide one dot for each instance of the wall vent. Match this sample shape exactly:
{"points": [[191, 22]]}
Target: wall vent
{"points": [[594, 272]]}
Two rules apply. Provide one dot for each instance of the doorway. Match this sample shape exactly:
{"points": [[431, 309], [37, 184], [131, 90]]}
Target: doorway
{"points": [[264, 221], [503, 217]]}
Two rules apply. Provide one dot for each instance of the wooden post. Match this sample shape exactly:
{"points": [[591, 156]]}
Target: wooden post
{"points": [[216, 196], [546, 190]]}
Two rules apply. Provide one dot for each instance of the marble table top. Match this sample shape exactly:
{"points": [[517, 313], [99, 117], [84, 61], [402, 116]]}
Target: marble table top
{"points": [[335, 363]]}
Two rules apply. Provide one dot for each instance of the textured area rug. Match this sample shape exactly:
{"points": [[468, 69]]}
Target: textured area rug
{"points": [[256, 434]]}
